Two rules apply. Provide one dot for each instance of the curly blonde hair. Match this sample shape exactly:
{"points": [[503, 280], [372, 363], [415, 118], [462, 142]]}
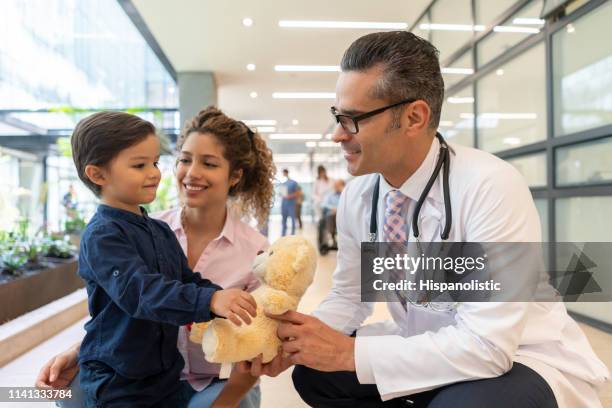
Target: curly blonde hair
{"points": [[245, 150]]}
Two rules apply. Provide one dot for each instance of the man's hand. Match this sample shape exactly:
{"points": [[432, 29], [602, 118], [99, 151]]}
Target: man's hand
{"points": [[312, 343], [60, 370], [272, 369], [234, 303]]}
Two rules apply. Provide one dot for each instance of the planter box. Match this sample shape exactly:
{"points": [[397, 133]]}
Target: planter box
{"points": [[37, 288]]}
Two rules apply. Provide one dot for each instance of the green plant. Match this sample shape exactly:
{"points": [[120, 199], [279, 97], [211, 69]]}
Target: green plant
{"points": [[13, 261], [74, 225], [57, 248]]}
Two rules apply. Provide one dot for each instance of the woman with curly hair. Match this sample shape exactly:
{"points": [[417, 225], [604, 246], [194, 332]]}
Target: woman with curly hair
{"points": [[221, 164]]}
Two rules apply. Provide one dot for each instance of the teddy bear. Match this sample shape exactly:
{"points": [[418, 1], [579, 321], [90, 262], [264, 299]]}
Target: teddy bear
{"points": [[285, 271]]}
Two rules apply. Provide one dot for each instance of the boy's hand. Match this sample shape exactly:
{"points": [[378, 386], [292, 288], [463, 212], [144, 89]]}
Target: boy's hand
{"points": [[232, 303], [59, 371]]}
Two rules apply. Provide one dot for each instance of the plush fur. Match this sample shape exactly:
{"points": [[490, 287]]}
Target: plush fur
{"points": [[285, 270]]}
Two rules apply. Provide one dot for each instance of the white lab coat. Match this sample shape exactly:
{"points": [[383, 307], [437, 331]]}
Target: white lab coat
{"points": [[424, 349]]}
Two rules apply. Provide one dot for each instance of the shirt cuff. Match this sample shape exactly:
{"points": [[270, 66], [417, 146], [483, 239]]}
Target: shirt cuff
{"points": [[363, 368], [202, 306]]}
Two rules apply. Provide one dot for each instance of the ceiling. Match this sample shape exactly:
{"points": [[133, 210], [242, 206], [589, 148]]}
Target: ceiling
{"points": [[206, 35]]}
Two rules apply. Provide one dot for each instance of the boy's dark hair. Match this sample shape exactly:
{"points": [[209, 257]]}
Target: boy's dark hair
{"points": [[98, 139], [410, 65]]}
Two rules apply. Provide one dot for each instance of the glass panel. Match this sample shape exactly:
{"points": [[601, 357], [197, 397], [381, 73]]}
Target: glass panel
{"points": [[451, 25], [453, 125], [514, 30], [579, 219], [580, 102], [420, 28], [487, 10], [587, 163], [533, 168], [458, 70], [542, 207], [93, 56], [512, 103]]}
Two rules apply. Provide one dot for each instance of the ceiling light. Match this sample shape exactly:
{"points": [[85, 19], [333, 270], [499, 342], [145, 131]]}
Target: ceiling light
{"points": [[512, 141], [295, 136], [253, 94], [247, 21], [342, 24], [460, 71], [304, 95], [260, 122], [510, 29], [500, 115], [328, 144], [329, 136], [571, 29], [446, 123], [500, 72], [528, 21], [295, 122], [251, 67], [457, 99], [266, 129], [451, 27], [311, 144], [290, 157], [307, 68]]}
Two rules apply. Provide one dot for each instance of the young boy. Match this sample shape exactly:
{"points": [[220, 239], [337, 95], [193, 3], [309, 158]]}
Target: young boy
{"points": [[139, 286]]}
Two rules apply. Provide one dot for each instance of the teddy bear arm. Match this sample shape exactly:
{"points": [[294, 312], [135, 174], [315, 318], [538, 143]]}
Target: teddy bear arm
{"points": [[278, 302]]}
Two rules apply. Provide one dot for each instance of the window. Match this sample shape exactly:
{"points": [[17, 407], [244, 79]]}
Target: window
{"points": [[582, 73], [458, 70], [532, 167], [451, 25], [587, 163], [512, 103], [457, 121], [487, 11], [542, 207], [523, 24]]}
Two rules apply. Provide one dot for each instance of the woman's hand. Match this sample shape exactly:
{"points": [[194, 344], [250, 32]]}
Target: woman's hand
{"points": [[60, 370], [234, 303]]}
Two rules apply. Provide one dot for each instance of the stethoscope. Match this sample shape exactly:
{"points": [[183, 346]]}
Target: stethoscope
{"points": [[443, 162]]}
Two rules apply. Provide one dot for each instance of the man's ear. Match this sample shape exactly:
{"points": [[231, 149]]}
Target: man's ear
{"points": [[417, 116], [96, 174]]}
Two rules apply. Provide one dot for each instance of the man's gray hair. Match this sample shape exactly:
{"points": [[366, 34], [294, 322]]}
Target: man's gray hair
{"points": [[410, 65]]}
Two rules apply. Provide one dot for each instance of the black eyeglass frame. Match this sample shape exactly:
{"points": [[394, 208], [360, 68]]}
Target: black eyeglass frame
{"points": [[362, 116]]}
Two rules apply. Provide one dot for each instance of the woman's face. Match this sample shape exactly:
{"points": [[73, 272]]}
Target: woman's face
{"points": [[202, 172]]}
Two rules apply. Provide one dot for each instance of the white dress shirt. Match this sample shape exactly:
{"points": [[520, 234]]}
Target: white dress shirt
{"points": [[424, 349]]}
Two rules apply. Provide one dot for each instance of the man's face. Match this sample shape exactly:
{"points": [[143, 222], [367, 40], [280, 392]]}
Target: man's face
{"points": [[374, 147]]}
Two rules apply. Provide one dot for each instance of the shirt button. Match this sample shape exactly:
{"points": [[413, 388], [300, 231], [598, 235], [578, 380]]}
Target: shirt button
{"points": [[115, 272]]}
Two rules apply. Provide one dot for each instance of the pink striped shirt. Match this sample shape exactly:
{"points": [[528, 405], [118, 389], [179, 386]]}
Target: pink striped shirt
{"points": [[226, 261]]}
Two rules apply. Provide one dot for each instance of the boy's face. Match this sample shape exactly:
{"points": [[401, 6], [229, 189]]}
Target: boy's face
{"points": [[132, 177]]}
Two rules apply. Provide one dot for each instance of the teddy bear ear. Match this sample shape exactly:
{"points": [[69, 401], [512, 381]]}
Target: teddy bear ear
{"points": [[301, 259]]}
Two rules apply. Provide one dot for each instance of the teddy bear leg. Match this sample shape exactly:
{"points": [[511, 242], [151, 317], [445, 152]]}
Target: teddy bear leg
{"points": [[210, 342]]}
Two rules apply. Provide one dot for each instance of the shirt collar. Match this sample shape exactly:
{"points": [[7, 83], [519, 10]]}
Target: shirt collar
{"points": [[118, 213], [228, 231], [414, 186]]}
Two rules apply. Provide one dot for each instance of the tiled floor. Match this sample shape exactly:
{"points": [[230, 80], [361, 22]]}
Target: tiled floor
{"points": [[275, 391]]}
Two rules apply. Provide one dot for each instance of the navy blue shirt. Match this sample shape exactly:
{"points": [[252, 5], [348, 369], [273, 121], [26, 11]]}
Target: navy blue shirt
{"points": [[140, 291]]}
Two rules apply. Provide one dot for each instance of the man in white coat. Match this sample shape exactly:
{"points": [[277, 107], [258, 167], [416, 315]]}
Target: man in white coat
{"points": [[511, 354]]}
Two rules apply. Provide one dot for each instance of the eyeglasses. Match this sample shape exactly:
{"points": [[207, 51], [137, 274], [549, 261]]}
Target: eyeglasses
{"points": [[351, 123]]}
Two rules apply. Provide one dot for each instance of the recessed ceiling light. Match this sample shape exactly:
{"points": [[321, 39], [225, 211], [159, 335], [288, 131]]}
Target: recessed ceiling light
{"points": [[571, 29], [459, 71], [260, 122], [295, 122], [328, 144], [446, 123], [458, 99], [295, 136], [311, 144], [304, 95], [342, 24], [510, 29], [329, 136], [528, 21], [253, 94], [266, 129], [307, 68], [500, 72], [251, 67], [247, 21], [451, 27]]}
